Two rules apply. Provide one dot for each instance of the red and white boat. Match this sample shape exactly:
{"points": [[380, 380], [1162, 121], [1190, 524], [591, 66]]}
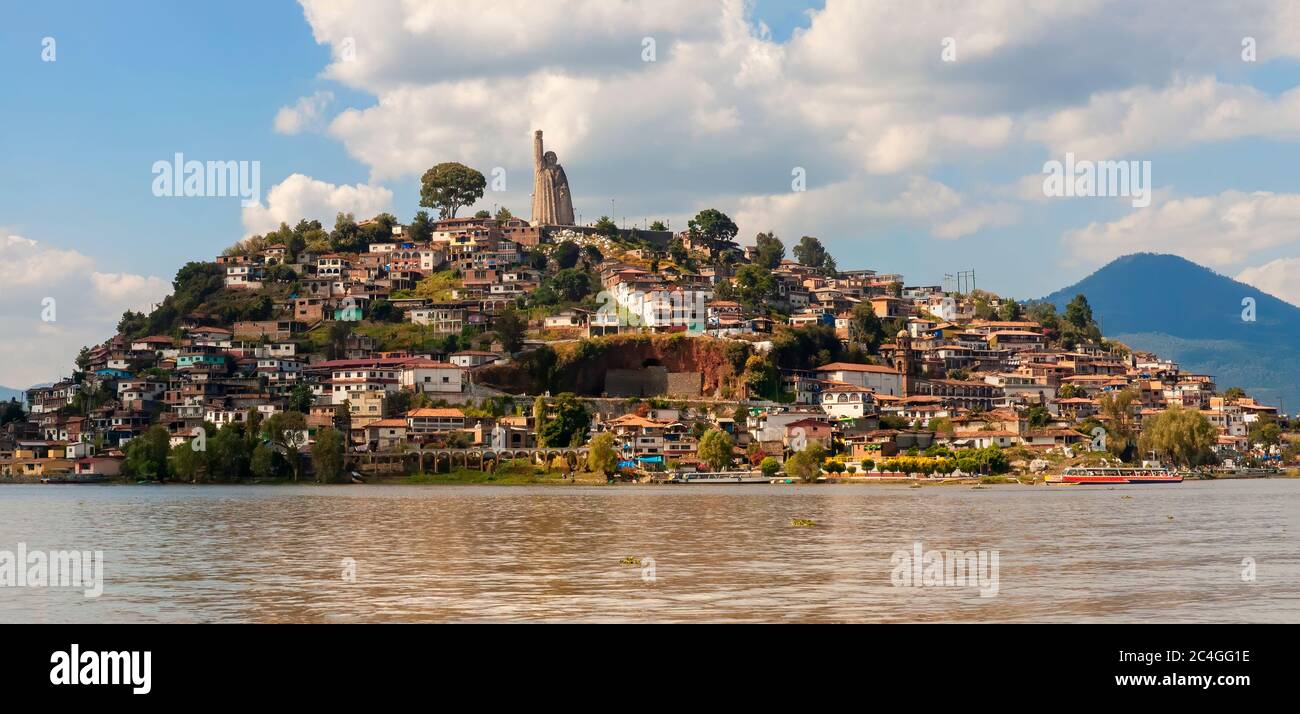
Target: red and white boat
{"points": [[1112, 475]]}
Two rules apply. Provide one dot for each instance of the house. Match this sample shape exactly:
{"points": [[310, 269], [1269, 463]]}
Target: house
{"points": [[878, 378], [847, 400], [426, 375], [431, 420], [386, 433], [472, 358], [569, 318], [638, 437], [803, 432]]}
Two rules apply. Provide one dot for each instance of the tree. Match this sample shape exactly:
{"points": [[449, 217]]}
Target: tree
{"points": [[606, 227], [229, 453], [755, 285], [339, 332], [327, 455], [571, 284], [768, 250], [769, 466], [1234, 393], [714, 228], [1079, 324], [1264, 431], [504, 214], [146, 455], [810, 252], [602, 456], [1011, 311], [346, 235], [569, 425], [761, 377], [716, 449], [483, 214], [1117, 408], [510, 328], [865, 328], [265, 461], [301, 398], [1181, 436], [450, 186], [677, 251], [12, 411], [284, 431], [379, 229], [186, 463], [421, 228], [658, 226], [806, 465], [1038, 416], [566, 254]]}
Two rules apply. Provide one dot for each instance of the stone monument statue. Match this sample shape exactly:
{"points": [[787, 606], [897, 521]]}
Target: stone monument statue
{"points": [[552, 202]]}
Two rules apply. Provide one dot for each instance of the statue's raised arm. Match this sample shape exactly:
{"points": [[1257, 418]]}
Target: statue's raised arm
{"points": [[537, 150]]}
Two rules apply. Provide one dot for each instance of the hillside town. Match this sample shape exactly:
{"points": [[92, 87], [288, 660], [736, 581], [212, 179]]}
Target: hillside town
{"points": [[381, 349]]}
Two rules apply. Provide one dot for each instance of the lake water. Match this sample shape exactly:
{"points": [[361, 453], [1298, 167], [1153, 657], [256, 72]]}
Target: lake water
{"points": [[720, 553]]}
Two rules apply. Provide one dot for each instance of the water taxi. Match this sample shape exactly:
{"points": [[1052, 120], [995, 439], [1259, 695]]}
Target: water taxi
{"points": [[1148, 472], [721, 477]]}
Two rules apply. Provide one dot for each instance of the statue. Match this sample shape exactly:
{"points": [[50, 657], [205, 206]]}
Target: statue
{"points": [[552, 202]]}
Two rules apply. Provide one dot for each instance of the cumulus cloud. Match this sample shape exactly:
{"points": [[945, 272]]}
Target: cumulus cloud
{"points": [[1188, 111], [724, 110], [1221, 230], [42, 281], [300, 196], [1279, 278], [305, 115], [848, 209]]}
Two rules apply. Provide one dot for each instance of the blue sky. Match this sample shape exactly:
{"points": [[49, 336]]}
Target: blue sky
{"points": [[913, 164]]}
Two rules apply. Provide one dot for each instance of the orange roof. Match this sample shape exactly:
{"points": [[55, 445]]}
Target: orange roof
{"points": [[435, 412], [850, 367]]}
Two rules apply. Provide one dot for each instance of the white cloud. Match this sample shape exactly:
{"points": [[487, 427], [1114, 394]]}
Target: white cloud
{"points": [[305, 115], [1220, 230], [847, 209], [300, 196], [86, 307], [1280, 278], [1188, 111]]}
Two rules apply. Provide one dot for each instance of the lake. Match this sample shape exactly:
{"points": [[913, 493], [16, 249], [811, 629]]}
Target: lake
{"points": [[1225, 551]]}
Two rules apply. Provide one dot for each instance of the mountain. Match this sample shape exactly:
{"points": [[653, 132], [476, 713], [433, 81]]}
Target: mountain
{"points": [[1194, 316], [6, 394]]}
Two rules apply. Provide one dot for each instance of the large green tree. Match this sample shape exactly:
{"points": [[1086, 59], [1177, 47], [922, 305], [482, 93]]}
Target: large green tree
{"points": [[146, 455], [284, 431], [603, 455], [568, 426], [450, 186], [1180, 436], [768, 250], [713, 228], [716, 448], [810, 252], [510, 327], [327, 455]]}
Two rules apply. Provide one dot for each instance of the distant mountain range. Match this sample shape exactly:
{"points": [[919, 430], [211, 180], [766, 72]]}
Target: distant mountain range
{"points": [[1194, 316]]}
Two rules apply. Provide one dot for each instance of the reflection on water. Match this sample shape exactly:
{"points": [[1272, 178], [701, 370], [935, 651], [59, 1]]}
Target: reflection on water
{"points": [[721, 553]]}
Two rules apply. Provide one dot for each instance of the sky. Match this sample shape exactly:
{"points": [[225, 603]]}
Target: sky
{"points": [[909, 137]]}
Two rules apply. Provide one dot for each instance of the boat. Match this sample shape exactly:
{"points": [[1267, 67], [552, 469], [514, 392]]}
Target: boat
{"points": [[1148, 472], [721, 477], [74, 478]]}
